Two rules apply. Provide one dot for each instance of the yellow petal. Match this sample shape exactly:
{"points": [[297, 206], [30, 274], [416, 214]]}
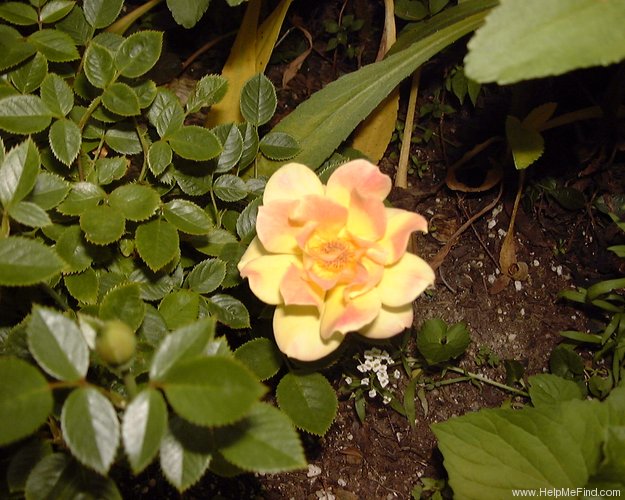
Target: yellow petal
{"points": [[361, 176], [405, 281], [343, 315], [328, 216], [293, 181], [254, 250], [297, 290], [296, 329], [400, 224], [390, 321], [265, 274], [274, 228], [367, 218]]}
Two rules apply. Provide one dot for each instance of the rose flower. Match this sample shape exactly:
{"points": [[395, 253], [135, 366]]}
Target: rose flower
{"points": [[333, 258]]}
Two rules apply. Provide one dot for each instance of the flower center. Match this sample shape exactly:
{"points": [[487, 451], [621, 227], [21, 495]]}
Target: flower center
{"points": [[331, 260], [334, 255]]}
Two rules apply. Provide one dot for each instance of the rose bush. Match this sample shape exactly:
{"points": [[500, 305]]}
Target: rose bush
{"points": [[333, 258]]}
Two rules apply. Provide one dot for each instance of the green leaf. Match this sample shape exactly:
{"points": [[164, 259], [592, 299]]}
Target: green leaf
{"points": [[213, 243], [102, 13], [258, 100], [166, 113], [138, 53], [157, 243], [250, 144], [261, 356], [159, 157], [211, 391], [229, 187], [55, 10], [29, 214], [123, 139], [264, 441], [76, 26], [410, 10], [179, 308], [144, 425], [437, 342], [187, 12], [83, 286], [146, 93], [121, 99], [23, 462], [135, 201], [18, 13], [90, 428], [154, 286], [25, 399], [82, 197], [531, 39], [55, 45], [13, 47], [98, 65], [206, 276], [102, 225], [232, 142], [153, 329], [124, 303], [26, 262], [57, 95], [194, 143], [209, 90], [24, 114], [18, 172], [246, 223], [182, 344], [279, 146], [65, 140], [112, 169], [229, 311], [58, 346], [193, 185], [527, 144], [548, 389], [27, 77], [309, 400], [187, 217]]}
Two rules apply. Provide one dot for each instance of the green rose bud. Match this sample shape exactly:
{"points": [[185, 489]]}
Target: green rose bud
{"points": [[116, 343]]}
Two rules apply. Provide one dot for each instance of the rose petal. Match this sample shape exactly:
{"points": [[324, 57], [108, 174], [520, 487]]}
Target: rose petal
{"points": [[274, 228], [329, 216], [400, 224], [405, 281], [390, 321], [361, 176], [344, 316], [367, 218], [265, 274], [297, 290], [296, 329], [293, 181], [254, 250]]}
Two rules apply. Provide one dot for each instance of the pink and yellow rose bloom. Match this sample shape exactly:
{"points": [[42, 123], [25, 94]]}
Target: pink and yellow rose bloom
{"points": [[332, 258]]}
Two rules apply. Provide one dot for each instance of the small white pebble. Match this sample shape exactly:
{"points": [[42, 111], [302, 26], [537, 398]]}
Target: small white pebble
{"points": [[511, 337], [522, 311], [341, 482], [518, 286], [559, 270], [501, 233], [491, 278], [350, 436], [536, 263], [313, 470], [491, 223], [499, 311]]}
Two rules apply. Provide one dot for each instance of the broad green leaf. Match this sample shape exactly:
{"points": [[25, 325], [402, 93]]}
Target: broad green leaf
{"points": [[229, 311], [18, 13], [98, 65], [179, 308], [206, 276], [146, 93], [410, 10], [124, 303], [29, 214], [232, 141], [24, 114], [55, 10], [101, 13], [211, 391], [264, 441], [123, 139], [23, 462], [309, 400], [184, 343], [246, 223], [138, 53], [13, 47], [166, 113], [534, 39], [159, 157], [25, 262], [111, 169], [83, 286], [102, 224], [121, 99], [18, 172], [55, 45], [135, 201], [90, 428], [437, 342], [27, 77], [58, 346], [25, 399], [187, 217], [157, 242], [250, 144], [187, 12], [209, 90], [261, 356], [229, 187], [144, 425], [76, 26], [231, 254], [548, 389], [153, 329], [194, 143], [279, 146], [65, 140], [57, 95], [258, 100], [82, 197], [193, 185], [155, 285], [526, 143], [213, 243]]}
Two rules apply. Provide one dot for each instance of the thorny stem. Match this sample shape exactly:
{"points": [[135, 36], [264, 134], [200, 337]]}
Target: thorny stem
{"points": [[486, 380]]}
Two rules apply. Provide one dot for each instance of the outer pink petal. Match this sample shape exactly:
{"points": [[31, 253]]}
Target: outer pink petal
{"points": [[390, 321], [254, 250], [296, 329], [405, 281], [361, 176], [399, 226], [343, 315], [367, 218], [297, 290], [329, 217], [265, 274], [293, 181], [274, 228]]}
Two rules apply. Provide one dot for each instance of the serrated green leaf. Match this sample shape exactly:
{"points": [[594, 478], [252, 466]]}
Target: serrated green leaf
{"points": [[76, 26], [26, 262], [187, 13], [121, 99], [211, 391], [83, 196], [527, 144], [179, 308], [98, 65], [229, 311], [279, 146], [123, 139], [153, 329], [250, 144], [187, 217], [545, 389], [157, 242], [135, 201], [29, 214], [437, 342], [231, 254], [27, 77], [65, 140], [262, 357], [193, 185], [146, 93], [144, 425], [264, 441], [166, 113], [24, 114], [25, 399], [102, 13], [138, 53], [55, 10], [232, 141], [13, 47], [213, 243], [18, 172], [209, 90], [55, 45], [124, 303], [246, 223], [155, 285], [194, 143], [112, 169], [57, 95], [229, 187], [206, 276], [258, 100], [90, 428], [23, 462], [83, 286], [159, 157], [58, 346], [102, 225], [18, 13]]}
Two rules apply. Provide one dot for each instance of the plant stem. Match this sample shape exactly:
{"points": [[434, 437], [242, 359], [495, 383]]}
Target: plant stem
{"points": [[121, 25], [144, 147], [92, 107], [5, 228], [58, 298], [131, 385], [401, 177], [486, 380]]}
